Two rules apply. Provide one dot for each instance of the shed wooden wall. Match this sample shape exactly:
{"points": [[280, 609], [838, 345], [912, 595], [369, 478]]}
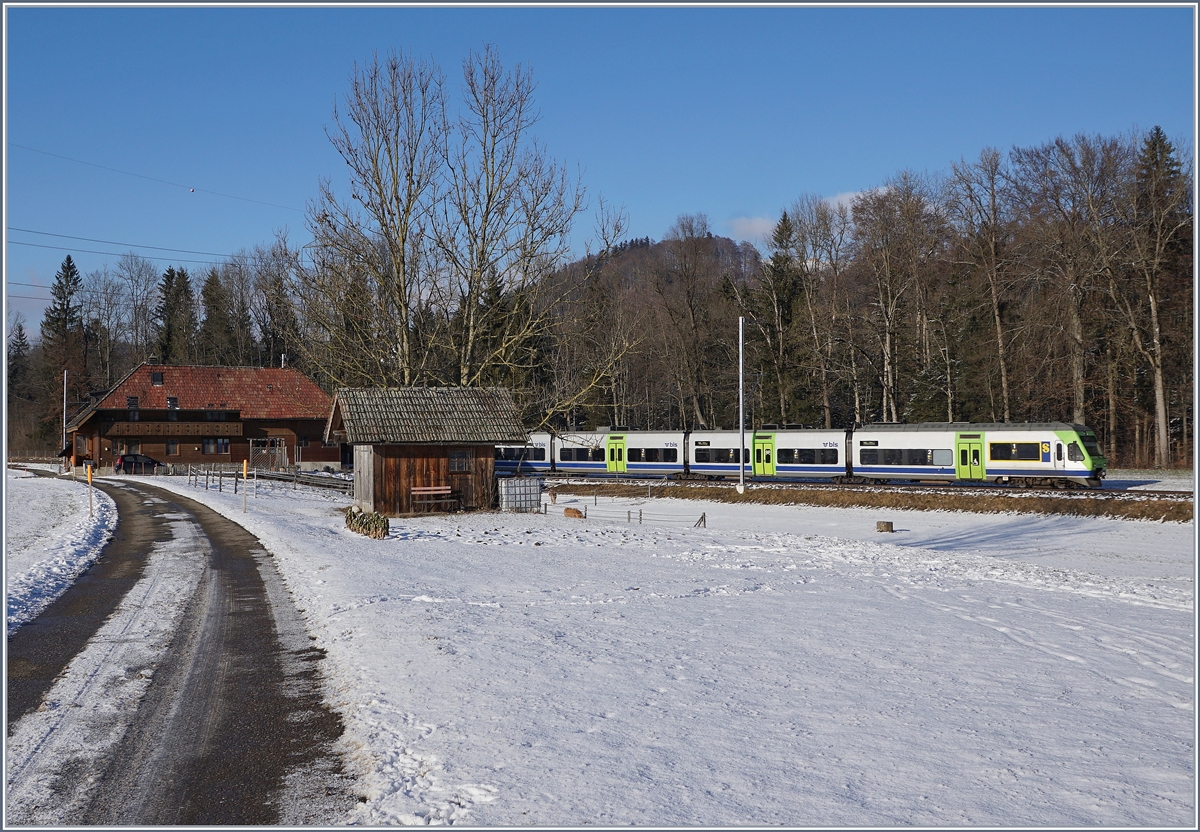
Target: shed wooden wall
{"points": [[397, 469]]}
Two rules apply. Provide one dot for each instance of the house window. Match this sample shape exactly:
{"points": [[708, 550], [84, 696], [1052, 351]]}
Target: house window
{"points": [[172, 408], [460, 461], [128, 446], [172, 447], [81, 444], [302, 441], [218, 445], [131, 402], [156, 379], [214, 415]]}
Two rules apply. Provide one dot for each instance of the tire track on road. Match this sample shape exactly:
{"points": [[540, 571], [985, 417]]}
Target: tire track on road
{"points": [[227, 726]]}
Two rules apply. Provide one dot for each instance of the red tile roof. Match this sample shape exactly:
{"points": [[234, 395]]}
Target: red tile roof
{"points": [[259, 393]]}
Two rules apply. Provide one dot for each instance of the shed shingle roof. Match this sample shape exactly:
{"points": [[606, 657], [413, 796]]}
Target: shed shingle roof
{"points": [[425, 415], [274, 393]]}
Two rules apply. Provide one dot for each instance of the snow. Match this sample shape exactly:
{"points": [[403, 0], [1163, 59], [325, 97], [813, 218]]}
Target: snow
{"points": [[1132, 479], [50, 539], [784, 665]]}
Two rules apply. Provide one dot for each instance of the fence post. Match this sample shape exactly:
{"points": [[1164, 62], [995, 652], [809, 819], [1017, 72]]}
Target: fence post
{"points": [[702, 523], [207, 474], [629, 516], [256, 483], [639, 517], [220, 480]]}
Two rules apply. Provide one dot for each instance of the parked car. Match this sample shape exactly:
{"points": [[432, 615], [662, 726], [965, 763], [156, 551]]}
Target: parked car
{"points": [[136, 464]]}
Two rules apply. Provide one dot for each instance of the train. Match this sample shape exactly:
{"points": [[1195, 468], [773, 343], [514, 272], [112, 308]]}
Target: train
{"points": [[1039, 454]]}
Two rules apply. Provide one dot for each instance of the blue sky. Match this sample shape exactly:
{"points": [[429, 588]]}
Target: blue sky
{"points": [[733, 112]]}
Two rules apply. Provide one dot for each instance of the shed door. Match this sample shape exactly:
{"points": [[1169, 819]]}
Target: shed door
{"points": [[364, 477]]}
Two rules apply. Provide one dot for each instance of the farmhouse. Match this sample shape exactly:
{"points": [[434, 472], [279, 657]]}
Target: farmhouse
{"points": [[191, 414], [424, 448]]}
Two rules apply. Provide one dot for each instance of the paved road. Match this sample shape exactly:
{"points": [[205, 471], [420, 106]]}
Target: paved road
{"points": [[173, 684]]}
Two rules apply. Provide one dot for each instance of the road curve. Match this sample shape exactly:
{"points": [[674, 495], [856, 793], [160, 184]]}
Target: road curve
{"points": [[173, 684]]}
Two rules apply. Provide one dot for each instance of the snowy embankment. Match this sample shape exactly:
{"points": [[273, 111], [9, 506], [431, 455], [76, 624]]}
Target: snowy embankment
{"points": [[50, 538], [784, 665]]}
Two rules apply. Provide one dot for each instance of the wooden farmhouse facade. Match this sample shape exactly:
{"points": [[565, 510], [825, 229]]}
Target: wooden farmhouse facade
{"points": [[419, 449], [180, 414]]}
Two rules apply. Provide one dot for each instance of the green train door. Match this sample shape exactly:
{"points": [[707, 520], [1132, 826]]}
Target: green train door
{"points": [[968, 457], [764, 455], [616, 453]]}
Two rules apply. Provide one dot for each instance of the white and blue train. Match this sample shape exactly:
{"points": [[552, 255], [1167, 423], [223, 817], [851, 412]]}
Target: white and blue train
{"points": [[1054, 454]]}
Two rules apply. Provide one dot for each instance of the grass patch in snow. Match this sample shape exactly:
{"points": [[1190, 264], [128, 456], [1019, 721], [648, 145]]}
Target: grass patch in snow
{"points": [[1149, 508]]}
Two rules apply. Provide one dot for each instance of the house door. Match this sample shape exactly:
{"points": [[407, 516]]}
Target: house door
{"points": [[616, 453], [969, 463], [764, 456]]}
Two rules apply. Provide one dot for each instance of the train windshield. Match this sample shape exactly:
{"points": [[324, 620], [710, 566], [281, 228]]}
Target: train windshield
{"points": [[1090, 445]]}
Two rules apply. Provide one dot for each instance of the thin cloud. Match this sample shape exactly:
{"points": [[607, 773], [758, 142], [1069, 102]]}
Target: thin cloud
{"points": [[751, 228]]}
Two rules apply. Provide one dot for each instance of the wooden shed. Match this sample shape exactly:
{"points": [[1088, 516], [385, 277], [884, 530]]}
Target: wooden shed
{"points": [[419, 449]]}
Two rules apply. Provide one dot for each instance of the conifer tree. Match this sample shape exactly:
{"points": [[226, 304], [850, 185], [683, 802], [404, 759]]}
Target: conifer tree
{"points": [[63, 348], [18, 366], [176, 317], [215, 340]]}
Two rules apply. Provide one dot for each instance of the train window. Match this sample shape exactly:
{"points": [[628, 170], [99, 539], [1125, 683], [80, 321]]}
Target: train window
{"points": [[785, 456], [962, 457], [566, 454], [1001, 451], [1058, 450], [597, 455], [702, 455], [758, 455], [538, 454], [917, 456], [806, 456], [612, 454], [944, 457], [1090, 445], [723, 455], [1074, 453], [974, 456], [827, 456], [635, 454], [670, 455], [893, 456], [651, 454], [868, 456]]}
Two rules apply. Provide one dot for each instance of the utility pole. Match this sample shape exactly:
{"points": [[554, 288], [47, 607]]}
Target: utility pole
{"points": [[64, 434], [741, 488]]}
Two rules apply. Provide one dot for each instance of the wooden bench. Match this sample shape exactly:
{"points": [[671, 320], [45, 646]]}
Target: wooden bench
{"points": [[433, 494]]}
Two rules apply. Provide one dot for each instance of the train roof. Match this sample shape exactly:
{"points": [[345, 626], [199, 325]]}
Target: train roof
{"points": [[979, 426]]}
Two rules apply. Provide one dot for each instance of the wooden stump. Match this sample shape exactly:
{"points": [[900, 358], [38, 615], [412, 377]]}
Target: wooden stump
{"points": [[883, 526]]}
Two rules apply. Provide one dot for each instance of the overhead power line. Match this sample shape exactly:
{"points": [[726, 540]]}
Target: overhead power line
{"points": [[112, 253], [115, 243], [154, 179]]}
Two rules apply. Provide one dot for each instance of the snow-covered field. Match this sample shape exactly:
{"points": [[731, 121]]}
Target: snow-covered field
{"points": [[784, 665], [49, 538]]}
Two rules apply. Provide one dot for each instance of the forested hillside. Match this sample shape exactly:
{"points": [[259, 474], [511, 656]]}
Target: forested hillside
{"points": [[1051, 282]]}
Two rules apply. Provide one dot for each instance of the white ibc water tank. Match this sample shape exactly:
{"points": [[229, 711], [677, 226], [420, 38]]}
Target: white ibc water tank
{"points": [[520, 493]]}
